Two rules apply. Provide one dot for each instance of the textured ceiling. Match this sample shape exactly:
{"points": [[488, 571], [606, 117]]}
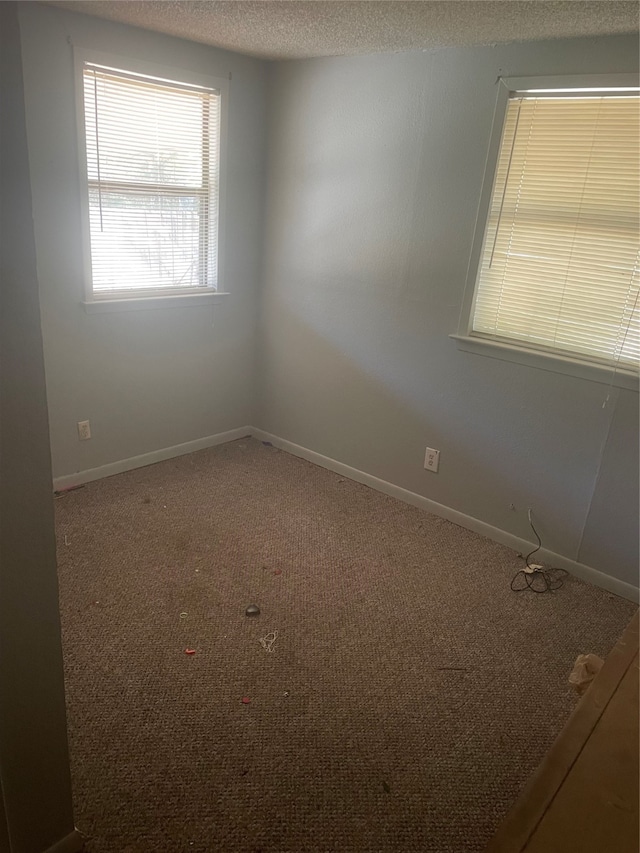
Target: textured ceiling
{"points": [[305, 28]]}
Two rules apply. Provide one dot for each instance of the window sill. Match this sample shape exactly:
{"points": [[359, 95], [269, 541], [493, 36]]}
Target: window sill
{"points": [[622, 378], [143, 303]]}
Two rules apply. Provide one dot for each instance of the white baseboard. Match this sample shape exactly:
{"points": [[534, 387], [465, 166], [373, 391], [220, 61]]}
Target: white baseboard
{"points": [[586, 573], [132, 462], [71, 843]]}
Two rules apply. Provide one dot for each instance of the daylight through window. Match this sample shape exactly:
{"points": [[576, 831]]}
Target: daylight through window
{"points": [[560, 265], [152, 166]]}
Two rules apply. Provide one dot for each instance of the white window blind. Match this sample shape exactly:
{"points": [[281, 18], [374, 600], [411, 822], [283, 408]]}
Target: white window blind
{"points": [[560, 267], [152, 166]]}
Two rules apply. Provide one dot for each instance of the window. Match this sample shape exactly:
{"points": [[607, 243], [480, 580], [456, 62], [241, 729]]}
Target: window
{"points": [[152, 150], [558, 270]]}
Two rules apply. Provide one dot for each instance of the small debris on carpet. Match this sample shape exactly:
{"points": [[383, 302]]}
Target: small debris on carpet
{"points": [[267, 642], [584, 671], [386, 788], [60, 493], [183, 615], [286, 694], [66, 540], [246, 700], [189, 651], [252, 610], [277, 571]]}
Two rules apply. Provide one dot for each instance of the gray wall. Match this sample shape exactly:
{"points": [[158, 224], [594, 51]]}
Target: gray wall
{"points": [[34, 774], [374, 176], [148, 379]]}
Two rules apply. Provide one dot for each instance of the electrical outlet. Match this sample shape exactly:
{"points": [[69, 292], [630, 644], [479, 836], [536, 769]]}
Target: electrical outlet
{"points": [[84, 430], [432, 459]]}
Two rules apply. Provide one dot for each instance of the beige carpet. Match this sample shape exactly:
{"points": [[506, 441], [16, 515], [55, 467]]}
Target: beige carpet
{"points": [[408, 696]]}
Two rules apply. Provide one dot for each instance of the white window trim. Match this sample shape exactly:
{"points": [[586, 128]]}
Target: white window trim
{"points": [[142, 303], [91, 301], [481, 345]]}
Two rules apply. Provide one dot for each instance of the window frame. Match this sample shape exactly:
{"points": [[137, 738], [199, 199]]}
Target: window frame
{"points": [[468, 341], [117, 300]]}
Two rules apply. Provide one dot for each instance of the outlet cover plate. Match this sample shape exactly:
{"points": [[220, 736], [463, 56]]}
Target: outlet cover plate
{"points": [[432, 459]]}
